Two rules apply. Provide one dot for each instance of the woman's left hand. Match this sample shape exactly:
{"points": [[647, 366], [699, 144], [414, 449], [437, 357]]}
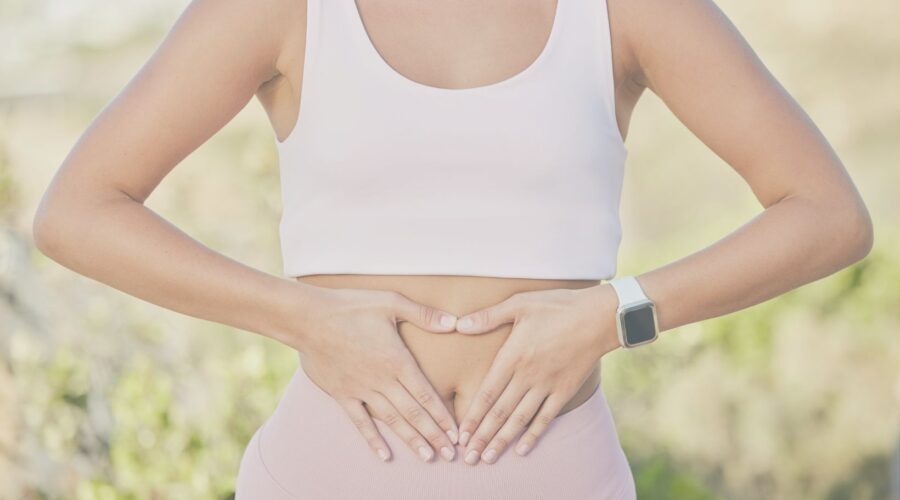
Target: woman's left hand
{"points": [[558, 336]]}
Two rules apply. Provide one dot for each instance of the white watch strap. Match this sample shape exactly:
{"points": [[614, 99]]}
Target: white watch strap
{"points": [[628, 289]]}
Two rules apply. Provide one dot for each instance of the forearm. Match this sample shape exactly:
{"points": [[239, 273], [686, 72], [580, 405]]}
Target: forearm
{"points": [[126, 245], [793, 242]]}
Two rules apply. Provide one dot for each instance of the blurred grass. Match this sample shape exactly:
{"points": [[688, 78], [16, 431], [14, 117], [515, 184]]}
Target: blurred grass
{"points": [[107, 397]]}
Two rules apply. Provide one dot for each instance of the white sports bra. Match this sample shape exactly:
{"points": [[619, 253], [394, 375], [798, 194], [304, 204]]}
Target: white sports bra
{"points": [[520, 178]]}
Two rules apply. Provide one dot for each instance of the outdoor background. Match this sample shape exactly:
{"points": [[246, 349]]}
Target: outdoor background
{"points": [[105, 396]]}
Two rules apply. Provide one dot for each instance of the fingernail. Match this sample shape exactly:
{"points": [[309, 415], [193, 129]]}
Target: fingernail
{"points": [[472, 457], [383, 454], [452, 435], [522, 448], [489, 456], [425, 453], [447, 320], [464, 438], [447, 453], [465, 323]]}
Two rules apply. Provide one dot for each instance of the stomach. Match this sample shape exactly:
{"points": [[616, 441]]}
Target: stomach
{"points": [[454, 363]]}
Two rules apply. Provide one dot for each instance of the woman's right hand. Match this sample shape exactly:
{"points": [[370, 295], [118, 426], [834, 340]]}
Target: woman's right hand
{"points": [[352, 350]]}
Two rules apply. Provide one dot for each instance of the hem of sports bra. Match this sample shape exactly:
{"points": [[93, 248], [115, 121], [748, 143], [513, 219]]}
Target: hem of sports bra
{"points": [[299, 273]]}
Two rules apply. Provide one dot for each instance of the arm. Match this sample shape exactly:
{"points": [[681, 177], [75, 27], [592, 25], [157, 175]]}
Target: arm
{"points": [[813, 223], [93, 220]]}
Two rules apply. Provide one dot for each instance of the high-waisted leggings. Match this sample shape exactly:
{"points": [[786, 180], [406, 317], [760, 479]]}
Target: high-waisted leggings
{"points": [[309, 449]]}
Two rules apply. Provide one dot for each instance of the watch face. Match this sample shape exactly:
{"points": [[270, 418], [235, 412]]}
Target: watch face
{"points": [[639, 324]]}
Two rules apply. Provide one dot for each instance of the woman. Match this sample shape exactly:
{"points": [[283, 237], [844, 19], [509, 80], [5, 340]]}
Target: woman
{"points": [[450, 175]]}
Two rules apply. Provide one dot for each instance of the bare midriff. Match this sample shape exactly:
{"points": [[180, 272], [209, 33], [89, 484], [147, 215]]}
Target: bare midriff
{"points": [[454, 363]]}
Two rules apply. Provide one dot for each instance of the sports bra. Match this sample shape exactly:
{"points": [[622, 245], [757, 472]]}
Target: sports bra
{"points": [[520, 178]]}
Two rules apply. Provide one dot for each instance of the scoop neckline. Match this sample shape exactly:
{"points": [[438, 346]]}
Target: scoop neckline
{"points": [[514, 78]]}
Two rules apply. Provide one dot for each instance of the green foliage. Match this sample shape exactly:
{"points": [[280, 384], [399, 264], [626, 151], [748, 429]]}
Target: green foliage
{"points": [[658, 478], [8, 193]]}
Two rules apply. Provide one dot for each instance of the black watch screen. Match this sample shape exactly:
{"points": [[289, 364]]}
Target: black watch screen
{"points": [[639, 323]]}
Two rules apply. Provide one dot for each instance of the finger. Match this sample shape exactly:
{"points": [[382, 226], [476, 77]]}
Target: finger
{"points": [[549, 410], [492, 386], [416, 415], [385, 411], [423, 316], [492, 422], [361, 418], [516, 423], [419, 386], [489, 318]]}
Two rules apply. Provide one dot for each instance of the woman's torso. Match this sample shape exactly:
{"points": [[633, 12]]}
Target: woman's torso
{"points": [[449, 51]]}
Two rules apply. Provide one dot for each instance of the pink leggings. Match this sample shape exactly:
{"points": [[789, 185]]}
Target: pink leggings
{"points": [[308, 449]]}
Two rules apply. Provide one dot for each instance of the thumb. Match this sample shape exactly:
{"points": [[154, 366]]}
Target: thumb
{"points": [[423, 316], [488, 318]]}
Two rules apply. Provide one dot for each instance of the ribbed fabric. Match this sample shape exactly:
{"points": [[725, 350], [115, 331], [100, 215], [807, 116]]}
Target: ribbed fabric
{"points": [[310, 450], [519, 178]]}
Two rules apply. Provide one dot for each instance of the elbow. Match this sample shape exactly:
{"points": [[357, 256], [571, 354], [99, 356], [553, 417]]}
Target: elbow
{"points": [[49, 226], [867, 238], [61, 222], [841, 228], [45, 232], [65, 214], [855, 231]]}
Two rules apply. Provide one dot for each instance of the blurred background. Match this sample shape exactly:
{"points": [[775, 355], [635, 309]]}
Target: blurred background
{"points": [[105, 396]]}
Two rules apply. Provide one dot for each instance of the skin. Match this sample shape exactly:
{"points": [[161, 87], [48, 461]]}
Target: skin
{"points": [[535, 346]]}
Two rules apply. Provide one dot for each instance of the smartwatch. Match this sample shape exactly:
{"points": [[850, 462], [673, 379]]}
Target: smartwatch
{"points": [[636, 314]]}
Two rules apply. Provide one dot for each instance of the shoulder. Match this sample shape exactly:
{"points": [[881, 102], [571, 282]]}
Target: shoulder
{"points": [[263, 30], [649, 30]]}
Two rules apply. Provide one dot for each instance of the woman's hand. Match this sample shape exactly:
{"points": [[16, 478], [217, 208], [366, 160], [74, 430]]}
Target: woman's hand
{"points": [[557, 338], [352, 350]]}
